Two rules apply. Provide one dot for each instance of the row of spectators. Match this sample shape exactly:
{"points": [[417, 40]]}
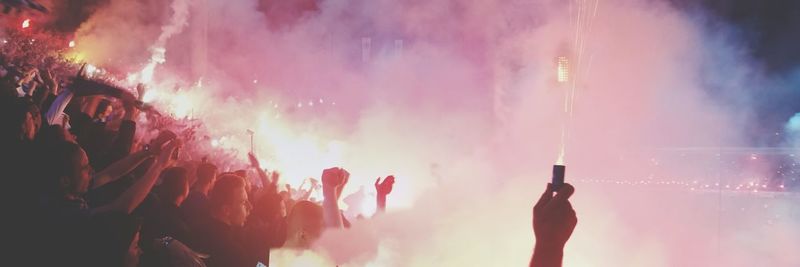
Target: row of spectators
{"points": [[84, 190]]}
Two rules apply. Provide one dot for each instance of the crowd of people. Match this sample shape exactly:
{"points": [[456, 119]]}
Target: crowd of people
{"points": [[85, 190]]}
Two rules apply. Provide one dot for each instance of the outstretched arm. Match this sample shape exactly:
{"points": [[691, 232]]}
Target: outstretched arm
{"points": [[553, 223], [262, 174], [383, 189], [120, 168], [333, 181], [134, 196]]}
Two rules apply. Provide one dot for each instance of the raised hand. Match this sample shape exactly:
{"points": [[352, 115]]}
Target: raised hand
{"points": [[163, 137], [29, 76], [140, 91], [334, 180], [385, 187], [553, 216], [165, 158], [131, 110], [335, 177], [47, 76], [553, 223]]}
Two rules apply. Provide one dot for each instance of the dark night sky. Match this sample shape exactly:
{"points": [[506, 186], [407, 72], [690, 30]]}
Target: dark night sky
{"points": [[770, 28], [770, 32]]}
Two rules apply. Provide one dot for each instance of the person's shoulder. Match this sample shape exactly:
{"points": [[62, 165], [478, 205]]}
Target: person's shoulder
{"points": [[194, 203], [209, 235]]}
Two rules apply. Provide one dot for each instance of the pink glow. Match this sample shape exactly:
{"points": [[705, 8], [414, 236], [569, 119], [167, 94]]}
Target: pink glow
{"points": [[467, 113]]}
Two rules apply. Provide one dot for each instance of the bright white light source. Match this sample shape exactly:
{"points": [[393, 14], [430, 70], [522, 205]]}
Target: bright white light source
{"points": [[90, 69], [563, 69]]}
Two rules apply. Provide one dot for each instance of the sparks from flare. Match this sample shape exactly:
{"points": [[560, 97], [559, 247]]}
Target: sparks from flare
{"points": [[567, 75], [26, 23]]}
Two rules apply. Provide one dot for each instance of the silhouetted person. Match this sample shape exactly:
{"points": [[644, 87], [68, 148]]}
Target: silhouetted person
{"points": [[69, 217], [223, 236], [196, 205], [163, 217]]}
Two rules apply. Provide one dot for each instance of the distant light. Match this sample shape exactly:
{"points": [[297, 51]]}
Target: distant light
{"points": [[563, 69], [26, 23], [91, 69], [255, 81], [72, 43]]}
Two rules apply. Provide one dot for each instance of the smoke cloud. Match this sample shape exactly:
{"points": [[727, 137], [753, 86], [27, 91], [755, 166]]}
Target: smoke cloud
{"points": [[459, 100]]}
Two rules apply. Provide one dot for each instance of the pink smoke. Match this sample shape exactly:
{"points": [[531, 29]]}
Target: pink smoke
{"points": [[458, 100]]}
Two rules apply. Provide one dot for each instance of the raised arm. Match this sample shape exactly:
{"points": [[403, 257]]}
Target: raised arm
{"points": [[383, 189], [127, 131], [120, 168], [307, 193], [134, 196], [553, 223], [333, 181], [261, 174]]}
